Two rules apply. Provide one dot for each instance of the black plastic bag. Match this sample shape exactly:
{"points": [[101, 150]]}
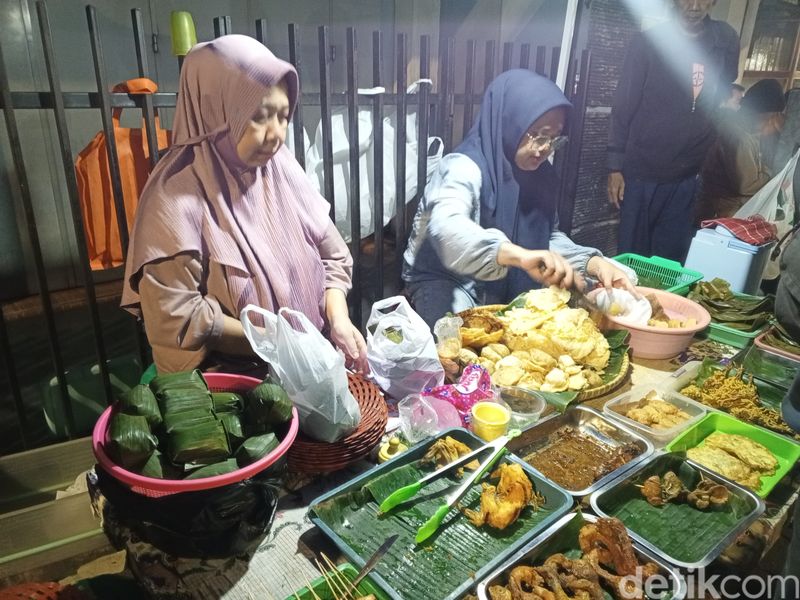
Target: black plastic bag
{"points": [[218, 523]]}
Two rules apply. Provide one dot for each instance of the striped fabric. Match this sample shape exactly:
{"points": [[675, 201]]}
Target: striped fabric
{"points": [[264, 225]]}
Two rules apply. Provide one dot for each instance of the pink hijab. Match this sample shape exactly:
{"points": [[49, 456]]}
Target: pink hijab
{"points": [[263, 225]]}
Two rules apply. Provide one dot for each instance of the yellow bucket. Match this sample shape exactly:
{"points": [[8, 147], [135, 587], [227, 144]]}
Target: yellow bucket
{"points": [[490, 420]]}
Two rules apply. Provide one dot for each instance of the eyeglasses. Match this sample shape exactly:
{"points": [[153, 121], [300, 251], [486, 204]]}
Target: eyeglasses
{"points": [[540, 142]]}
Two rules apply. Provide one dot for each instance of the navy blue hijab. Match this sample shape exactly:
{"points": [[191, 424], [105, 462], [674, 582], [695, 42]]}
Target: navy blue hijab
{"points": [[521, 204]]}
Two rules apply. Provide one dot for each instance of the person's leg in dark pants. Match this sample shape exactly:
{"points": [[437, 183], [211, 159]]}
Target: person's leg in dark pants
{"points": [[633, 232], [671, 213]]}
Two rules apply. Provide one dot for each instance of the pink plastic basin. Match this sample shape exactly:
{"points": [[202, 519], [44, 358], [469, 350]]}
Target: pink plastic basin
{"points": [[148, 486], [658, 343]]}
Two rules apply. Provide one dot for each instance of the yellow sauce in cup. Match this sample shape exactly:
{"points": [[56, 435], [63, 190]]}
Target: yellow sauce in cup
{"points": [[490, 420]]}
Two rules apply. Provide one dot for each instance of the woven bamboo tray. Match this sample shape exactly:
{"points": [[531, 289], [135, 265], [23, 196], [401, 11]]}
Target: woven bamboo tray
{"points": [[588, 394], [310, 456]]}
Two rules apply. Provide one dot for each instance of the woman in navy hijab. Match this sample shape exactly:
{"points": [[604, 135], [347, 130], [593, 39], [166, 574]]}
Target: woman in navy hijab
{"points": [[487, 229]]}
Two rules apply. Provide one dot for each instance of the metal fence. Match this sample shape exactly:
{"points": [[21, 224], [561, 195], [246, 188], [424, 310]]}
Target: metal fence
{"points": [[435, 114]]}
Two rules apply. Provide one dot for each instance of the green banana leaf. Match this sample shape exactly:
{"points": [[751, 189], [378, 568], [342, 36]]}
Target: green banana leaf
{"points": [[227, 402], [203, 443], [255, 448], [130, 440], [139, 400], [691, 533], [220, 468]]}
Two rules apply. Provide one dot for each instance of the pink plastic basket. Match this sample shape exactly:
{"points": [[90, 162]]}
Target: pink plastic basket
{"points": [[658, 343], [155, 488]]}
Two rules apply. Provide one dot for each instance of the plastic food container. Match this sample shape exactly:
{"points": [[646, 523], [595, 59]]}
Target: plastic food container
{"points": [[490, 420], [785, 451], [771, 365], [526, 405], [656, 342], [155, 488], [617, 408]]}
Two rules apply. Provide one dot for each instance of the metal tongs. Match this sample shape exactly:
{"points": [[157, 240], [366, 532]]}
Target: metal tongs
{"points": [[399, 496]]}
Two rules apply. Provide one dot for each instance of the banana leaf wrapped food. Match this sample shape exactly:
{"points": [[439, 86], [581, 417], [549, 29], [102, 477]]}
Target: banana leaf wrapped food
{"points": [[202, 443], [159, 467], [233, 427], [227, 402], [174, 421], [179, 400], [130, 441], [742, 312], [139, 400], [268, 406], [183, 380], [219, 468], [255, 448]]}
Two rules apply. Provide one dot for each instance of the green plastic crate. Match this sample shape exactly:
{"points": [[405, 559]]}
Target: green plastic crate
{"points": [[733, 337], [786, 451], [322, 590], [661, 273]]}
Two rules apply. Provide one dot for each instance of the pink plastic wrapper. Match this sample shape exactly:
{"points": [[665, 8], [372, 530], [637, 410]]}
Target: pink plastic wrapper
{"points": [[474, 385]]}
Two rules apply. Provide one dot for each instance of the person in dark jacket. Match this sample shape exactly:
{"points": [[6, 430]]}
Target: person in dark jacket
{"points": [[674, 77]]}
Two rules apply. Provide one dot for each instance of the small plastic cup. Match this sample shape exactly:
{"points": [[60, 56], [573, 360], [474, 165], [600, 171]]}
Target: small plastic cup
{"points": [[490, 420], [526, 405]]}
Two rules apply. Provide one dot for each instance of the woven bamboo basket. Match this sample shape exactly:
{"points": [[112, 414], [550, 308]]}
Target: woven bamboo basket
{"points": [[588, 394]]}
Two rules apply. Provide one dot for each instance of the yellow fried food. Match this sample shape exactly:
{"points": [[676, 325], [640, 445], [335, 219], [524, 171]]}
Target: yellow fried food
{"points": [[501, 505], [751, 453], [547, 299], [467, 356], [725, 464], [501, 349], [490, 353]]}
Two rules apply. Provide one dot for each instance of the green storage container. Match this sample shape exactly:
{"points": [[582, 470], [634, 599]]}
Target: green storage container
{"points": [[661, 273], [785, 451], [733, 337]]}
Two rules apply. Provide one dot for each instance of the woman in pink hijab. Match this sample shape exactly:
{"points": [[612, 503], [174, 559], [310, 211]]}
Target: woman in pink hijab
{"points": [[228, 218]]}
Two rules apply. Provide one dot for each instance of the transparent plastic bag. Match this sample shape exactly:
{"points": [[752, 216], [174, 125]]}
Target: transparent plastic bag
{"points": [[309, 368], [400, 349]]}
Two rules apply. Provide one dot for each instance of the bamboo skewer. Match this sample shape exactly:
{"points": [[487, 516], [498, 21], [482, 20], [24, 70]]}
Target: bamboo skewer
{"points": [[332, 585], [349, 589], [291, 587], [309, 586]]}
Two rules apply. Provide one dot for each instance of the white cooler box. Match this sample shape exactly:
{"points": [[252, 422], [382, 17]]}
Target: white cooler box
{"points": [[717, 253]]}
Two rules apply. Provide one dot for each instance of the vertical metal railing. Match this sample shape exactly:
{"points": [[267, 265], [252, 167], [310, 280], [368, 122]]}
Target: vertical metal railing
{"points": [[435, 107], [355, 171], [401, 216], [297, 117], [72, 193], [377, 154], [325, 115]]}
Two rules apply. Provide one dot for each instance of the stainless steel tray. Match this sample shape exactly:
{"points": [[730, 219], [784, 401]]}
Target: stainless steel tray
{"points": [[751, 503], [405, 561], [590, 423], [543, 545]]}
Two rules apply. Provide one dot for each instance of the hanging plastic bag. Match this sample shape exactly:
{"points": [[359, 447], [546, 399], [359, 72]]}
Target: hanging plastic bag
{"points": [[776, 203], [400, 349], [309, 368]]}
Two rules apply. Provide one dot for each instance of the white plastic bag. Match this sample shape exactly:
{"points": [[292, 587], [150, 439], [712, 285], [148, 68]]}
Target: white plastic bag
{"points": [[776, 203], [309, 368], [400, 349]]}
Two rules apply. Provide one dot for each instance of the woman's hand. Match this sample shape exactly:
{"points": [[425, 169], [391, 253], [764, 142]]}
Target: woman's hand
{"points": [[344, 334], [609, 275], [544, 266]]}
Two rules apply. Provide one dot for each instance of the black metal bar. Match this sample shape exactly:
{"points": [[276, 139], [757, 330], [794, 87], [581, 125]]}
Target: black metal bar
{"points": [[554, 63], [108, 128], [400, 151], [13, 382], [377, 154], [15, 145], [508, 53], [469, 87], [72, 192], [87, 100], [422, 118], [297, 117], [355, 175], [222, 26], [541, 59], [325, 110], [566, 205], [147, 100], [525, 56], [261, 30], [488, 67], [447, 94]]}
